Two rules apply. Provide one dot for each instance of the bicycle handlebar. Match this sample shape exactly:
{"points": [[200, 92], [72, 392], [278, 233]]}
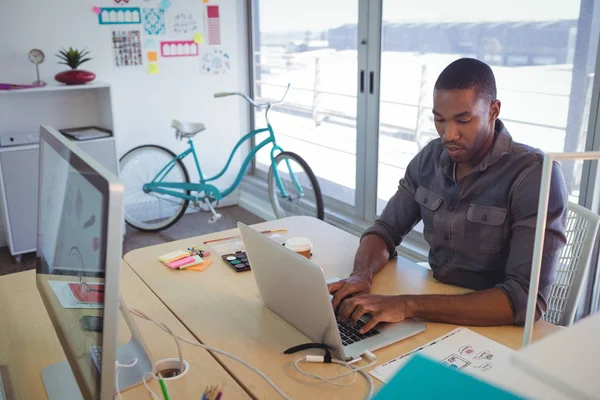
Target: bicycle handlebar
{"points": [[249, 100]]}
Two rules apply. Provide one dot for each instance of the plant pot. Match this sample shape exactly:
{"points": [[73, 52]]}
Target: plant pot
{"points": [[75, 77]]}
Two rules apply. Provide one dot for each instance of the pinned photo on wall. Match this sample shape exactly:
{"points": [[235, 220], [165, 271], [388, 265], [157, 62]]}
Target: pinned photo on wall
{"points": [[178, 48], [119, 15], [154, 21], [183, 23], [215, 62], [213, 24], [127, 48]]}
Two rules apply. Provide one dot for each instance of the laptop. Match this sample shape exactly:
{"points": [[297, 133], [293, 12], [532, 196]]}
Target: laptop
{"points": [[294, 288]]}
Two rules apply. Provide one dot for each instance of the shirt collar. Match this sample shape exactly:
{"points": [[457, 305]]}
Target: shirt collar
{"points": [[502, 145]]}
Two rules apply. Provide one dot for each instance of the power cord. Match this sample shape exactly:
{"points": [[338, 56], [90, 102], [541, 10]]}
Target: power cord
{"points": [[331, 379], [165, 328], [118, 366], [152, 375], [308, 359]]}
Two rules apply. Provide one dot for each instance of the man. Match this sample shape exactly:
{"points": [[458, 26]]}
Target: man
{"points": [[477, 193]]}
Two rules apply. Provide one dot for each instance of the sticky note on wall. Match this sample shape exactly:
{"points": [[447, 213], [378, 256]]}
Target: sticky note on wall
{"points": [[198, 38], [152, 56], [152, 69]]}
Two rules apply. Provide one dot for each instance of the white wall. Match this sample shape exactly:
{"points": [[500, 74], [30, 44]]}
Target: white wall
{"points": [[143, 105]]}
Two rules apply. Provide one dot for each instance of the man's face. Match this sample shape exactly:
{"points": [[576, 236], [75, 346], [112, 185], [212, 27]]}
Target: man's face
{"points": [[464, 122]]}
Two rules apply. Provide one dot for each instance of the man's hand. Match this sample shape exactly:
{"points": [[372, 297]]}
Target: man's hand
{"points": [[381, 308], [354, 285]]}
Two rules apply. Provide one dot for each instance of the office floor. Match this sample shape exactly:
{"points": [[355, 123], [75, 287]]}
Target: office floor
{"points": [[195, 224]]}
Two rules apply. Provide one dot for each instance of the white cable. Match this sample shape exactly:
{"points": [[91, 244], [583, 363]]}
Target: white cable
{"points": [[165, 328], [118, 366], [353, 371], [153, 375]]}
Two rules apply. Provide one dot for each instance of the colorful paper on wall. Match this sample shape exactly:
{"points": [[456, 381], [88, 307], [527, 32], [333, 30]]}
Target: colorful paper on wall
{"points": [[178, 48], [127, 48], [164, 4], [154, 21], [183, 24], [152, 56], [152, 69], [213, 25], [215, 62], [119, 15], [151, 44]]}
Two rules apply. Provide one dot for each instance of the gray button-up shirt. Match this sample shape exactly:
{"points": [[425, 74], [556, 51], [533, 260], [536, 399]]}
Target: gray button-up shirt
{"points": [[481, 228]]}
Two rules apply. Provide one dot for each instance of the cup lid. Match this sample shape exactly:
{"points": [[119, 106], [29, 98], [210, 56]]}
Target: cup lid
{"points": [[298, 244]]}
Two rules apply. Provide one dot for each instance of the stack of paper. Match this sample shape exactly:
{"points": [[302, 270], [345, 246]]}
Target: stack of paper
{"points": [[183, 260], [474, 354], [461, 349]]}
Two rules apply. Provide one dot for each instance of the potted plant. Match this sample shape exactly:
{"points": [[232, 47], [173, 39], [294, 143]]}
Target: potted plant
{"points": [[74, 58]]}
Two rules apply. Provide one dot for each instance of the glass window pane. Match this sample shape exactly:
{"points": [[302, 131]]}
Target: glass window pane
{"points": [[544, 73], [312, 45]]}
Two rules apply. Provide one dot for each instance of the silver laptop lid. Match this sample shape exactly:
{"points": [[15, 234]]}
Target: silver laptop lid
{"points": [[292, 287]]}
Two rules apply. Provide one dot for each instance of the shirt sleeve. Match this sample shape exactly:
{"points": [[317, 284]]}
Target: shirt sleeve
{"points": [[523, 206], [401, 213]]}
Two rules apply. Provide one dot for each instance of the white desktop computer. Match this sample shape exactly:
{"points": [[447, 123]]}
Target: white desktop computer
{"points": [[80, 227]]}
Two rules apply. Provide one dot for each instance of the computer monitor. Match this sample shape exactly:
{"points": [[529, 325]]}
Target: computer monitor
{"points": [[80, 228]]}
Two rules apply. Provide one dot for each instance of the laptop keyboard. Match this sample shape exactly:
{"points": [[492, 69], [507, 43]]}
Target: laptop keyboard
{"points": [[351, 334]]}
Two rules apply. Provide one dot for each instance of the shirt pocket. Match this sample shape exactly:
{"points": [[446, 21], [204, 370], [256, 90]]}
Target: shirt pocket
{"points": [[430, 203], [485, 226]]}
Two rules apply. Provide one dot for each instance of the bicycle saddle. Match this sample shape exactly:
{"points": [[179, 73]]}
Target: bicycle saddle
{"points": [[188, 128]]}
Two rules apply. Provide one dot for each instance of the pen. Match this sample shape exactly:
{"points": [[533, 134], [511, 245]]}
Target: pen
{"points": [[237, 236], [163, 387]]}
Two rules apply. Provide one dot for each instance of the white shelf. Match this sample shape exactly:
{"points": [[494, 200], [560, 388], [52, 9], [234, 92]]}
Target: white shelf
{"points": [[56, 87]]}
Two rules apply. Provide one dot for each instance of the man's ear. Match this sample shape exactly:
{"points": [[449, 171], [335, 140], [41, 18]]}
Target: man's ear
{"points": [[495, 110]]}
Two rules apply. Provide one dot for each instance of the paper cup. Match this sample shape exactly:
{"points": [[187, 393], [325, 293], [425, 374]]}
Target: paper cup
{"points": [[300, 245]]}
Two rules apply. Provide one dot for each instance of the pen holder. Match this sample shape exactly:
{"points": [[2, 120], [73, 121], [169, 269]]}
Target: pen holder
{"points": [[168, 369]]}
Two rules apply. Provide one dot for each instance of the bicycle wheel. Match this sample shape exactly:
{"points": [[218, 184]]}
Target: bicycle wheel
{"points": [[309, 202], [150, 211]]}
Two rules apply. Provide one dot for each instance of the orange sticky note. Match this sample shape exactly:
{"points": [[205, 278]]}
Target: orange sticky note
{"points": [[205, 1], [200, 267], [152, 56]]}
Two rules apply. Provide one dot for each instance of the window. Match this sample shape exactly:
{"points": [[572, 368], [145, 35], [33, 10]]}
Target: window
{"points": [[541, 53], [312, 45]]}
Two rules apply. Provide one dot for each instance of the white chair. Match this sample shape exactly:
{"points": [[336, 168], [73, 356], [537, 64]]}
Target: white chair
{"points": [[573, 265]]}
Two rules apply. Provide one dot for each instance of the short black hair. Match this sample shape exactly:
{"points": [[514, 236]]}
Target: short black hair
{"points": [[468, 73]]}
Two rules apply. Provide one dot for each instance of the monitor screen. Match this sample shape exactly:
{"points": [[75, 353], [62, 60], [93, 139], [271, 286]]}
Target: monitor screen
{"points": [[71, 257]]}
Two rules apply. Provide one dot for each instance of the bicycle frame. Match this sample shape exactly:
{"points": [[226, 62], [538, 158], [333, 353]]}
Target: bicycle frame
{"points": [[158, 186]]}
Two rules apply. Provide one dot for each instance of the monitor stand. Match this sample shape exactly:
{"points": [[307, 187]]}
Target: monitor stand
{"points": [[60, 382]]}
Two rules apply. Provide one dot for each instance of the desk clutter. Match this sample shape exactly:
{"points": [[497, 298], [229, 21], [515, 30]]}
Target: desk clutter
{"points": [[190, 259], [231, 249]]}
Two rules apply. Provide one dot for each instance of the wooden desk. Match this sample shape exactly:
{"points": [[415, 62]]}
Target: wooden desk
{"points": [[222, 308], [28, 342]]}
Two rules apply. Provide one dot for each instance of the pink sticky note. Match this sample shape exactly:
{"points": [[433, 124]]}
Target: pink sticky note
{"points": [[96, 10], [180, 262]]}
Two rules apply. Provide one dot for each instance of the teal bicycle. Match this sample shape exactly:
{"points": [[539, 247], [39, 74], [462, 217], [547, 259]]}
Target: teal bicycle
{"points": [[158, 188]]}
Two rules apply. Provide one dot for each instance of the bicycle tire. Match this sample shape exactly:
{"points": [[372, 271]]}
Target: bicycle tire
{"points": [[181, 209], [315, 210]]}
